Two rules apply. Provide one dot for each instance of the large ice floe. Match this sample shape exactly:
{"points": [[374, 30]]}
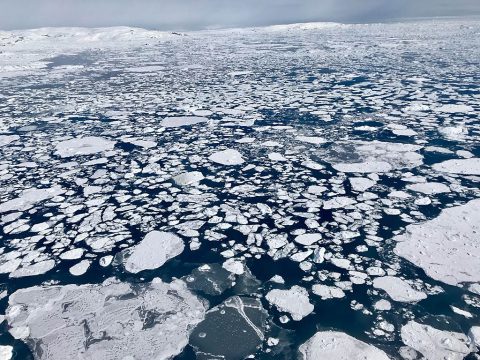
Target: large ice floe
{"points": [[373, 157], [112, 320], [447, 247], [339, 346], [435, 344], [152, 252], [459, 166], [178, 121], [83, 146]]}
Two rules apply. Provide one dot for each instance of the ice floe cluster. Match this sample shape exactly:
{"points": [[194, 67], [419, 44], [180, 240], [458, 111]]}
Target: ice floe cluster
{"points": [[304, 191]]}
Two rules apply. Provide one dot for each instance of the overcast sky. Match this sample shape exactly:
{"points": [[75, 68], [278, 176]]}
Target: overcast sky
{"points": [[197, 14]]}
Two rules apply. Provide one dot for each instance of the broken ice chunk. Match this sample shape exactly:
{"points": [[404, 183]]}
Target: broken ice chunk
{"points": [[153, 251]]}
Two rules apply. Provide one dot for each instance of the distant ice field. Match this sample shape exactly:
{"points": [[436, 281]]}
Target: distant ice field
{"points": [[304, 191]]}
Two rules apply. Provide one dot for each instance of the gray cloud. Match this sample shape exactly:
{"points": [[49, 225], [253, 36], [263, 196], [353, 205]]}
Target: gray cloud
{"points": [[196, 14]]}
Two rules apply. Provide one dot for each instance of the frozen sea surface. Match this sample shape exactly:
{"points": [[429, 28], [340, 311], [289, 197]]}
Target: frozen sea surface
{"points": [[290, 192]]}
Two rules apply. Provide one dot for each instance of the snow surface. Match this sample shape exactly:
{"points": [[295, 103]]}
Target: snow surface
{"points": [[294, 301]]}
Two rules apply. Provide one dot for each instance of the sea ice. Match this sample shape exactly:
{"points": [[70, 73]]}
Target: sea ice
{"points": [[83, 146], [459, 166], [227, 157], [447, 247], [339, 346], [308, 239], [153, 251], [178, 121], [435, 344], [8, 139], [398, 289], [33, 269], [327, 292], [430, 188], [454, 108], [294, 301], [112, 320], [29, 198], [189, 178]]}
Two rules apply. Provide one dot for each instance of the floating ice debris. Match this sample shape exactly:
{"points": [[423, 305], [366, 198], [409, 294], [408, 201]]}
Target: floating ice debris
{"points": [[338, 202], [189, 178], [454, 132], [6, 352], [339, 346], [459, 166], [105, 260], [447, 247], [404, 132], [430, 188], [382, 305], [232, 330], [83, 146], [113, 320], [29, 198], [474, 335], [153, 251], [361, 184], [454, 108], [33, 269], [315, 140], [72, 254], [80, 268], [398, 289], [373, 156], [146, 144], [178, 121], [294, 301], [275, 156], [435, 344], [227, 157], [308, 239], [364, 167], [464, 313], [234, 266], [327, 292], [8, 139]]}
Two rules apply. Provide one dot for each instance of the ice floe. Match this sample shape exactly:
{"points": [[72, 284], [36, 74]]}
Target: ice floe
{"points": [[294, 301], [189, 178], [83, 146], [153, 251], [398, 289], [111, 320], [29, 198], [339, 346], [435, 344], [227, 157], [446, 247], [459, 166], [179, 121]]}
